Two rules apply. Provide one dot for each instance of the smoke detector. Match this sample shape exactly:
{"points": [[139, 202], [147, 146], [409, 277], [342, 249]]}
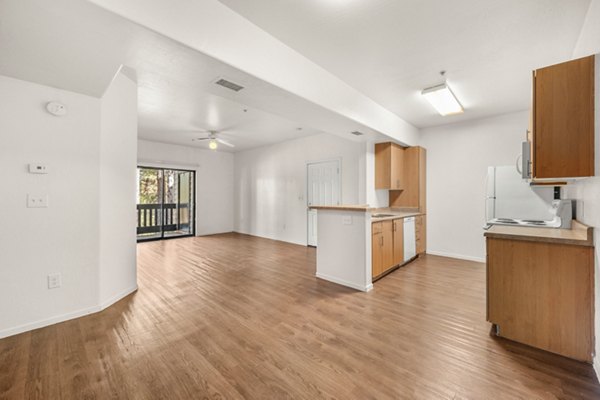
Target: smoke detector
{"points": [[56, 109]]}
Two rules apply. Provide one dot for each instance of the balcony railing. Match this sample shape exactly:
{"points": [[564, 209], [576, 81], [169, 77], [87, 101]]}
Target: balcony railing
{"points": [[153, 218]]}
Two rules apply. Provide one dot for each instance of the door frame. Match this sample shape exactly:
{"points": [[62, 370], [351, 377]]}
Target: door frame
{"points": [[308, 163], [193, 196]]}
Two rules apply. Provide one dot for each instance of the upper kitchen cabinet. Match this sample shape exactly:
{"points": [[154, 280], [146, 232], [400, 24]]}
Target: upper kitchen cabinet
{"points": [[389, 161], [413, 176], [563, 120]]}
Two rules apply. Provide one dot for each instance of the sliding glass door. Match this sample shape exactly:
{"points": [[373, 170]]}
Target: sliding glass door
{"points": [[165, 203]]}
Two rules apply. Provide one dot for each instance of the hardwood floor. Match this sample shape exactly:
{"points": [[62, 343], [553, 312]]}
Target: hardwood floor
{"points": [[233, 316]]}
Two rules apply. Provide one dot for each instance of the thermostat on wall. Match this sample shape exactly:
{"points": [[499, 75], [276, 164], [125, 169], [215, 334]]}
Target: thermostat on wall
{"points": [[38, 169], [56, 108]]}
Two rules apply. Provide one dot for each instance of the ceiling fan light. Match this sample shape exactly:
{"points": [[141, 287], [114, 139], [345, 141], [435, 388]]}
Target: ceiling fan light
{"points": [[213, 144], [443, 99]]}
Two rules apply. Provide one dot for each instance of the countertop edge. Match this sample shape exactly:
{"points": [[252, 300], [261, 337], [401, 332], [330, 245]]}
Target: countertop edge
{"points": [[342, 208], [406, 215], [588, 242]]}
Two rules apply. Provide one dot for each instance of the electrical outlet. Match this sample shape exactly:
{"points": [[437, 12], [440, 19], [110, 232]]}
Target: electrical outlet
{"points": [[37, 201], [54, 281], [347, 219]]}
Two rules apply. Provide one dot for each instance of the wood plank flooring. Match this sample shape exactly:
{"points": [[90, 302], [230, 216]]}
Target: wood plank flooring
{"points": [[234, 316]]}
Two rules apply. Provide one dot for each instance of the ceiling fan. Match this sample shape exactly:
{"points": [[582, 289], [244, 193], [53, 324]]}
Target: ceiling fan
{"points": [[214, 140]]}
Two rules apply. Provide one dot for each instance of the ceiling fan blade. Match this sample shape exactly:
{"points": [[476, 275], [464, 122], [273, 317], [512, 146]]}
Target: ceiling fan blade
{"points": [[225, 142], [201, 138], [228, 128]]}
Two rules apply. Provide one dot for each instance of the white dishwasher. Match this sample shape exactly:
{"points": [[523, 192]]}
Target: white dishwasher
{"points": [[410, 246]]}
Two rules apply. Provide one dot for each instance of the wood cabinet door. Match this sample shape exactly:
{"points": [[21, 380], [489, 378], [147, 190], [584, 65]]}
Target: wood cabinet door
{"points": [[383, 165], [376, 247], [397, 168], [541, 294], [563, 130], [398, 241], [387, 251], [413, 180]]}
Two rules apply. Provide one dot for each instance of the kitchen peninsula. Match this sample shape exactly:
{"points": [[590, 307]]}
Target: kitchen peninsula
{"points": [[358, 244]]}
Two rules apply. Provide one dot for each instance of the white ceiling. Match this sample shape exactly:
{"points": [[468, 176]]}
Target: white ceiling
{"points": [[391, 49], [77, 46]]}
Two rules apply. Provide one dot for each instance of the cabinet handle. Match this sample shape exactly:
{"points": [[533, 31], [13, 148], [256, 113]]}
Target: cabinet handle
{"points": [[381, 240]]}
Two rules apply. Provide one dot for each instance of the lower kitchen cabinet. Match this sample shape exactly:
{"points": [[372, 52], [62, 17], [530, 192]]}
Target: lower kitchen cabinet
{"points": [[382, 247], [541, 294]]}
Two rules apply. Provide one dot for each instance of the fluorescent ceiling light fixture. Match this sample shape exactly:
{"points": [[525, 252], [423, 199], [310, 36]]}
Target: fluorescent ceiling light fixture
{"points": [[442, 99]]}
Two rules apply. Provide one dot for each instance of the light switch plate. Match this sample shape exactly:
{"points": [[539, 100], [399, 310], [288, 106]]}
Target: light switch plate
{"points": [[37, 201], [38, 169], [54, 281]]}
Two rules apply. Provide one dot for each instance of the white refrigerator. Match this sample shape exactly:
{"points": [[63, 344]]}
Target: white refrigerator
{"points": [[509, 196]]}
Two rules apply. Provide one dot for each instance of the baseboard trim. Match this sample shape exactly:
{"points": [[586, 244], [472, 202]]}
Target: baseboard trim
{"points": [[48, 321], [342, 282], [117, 297], [65, 317], [596, 365], [459, 256], [272, 238], [198, 234]]}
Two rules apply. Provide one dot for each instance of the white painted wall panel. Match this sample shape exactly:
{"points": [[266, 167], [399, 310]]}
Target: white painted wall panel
{"points": [[64, 237], [118, 151], [270, 184], [457, 159]]}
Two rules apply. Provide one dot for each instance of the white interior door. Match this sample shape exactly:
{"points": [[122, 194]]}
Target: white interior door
{"points": [[323, 190]]}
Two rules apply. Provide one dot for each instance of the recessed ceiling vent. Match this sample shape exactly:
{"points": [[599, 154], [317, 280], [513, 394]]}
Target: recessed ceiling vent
{"points": [[229, 85], [357, 133]]}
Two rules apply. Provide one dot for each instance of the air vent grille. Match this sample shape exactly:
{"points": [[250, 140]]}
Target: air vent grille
{"points": [[357, 133], [229, 85]]}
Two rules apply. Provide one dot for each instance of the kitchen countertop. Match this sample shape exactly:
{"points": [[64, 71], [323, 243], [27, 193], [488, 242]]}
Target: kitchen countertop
{"points": [[579, 234], [362, 208], [397, 213]]}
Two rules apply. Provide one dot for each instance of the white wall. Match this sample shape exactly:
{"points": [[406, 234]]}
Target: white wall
{"points": [[87, 152], [457, 159], [587, 194], [270, 184], [589, 38], [587, 191], [214, 181], [118, 150], [348, 261], [64, 237]]}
